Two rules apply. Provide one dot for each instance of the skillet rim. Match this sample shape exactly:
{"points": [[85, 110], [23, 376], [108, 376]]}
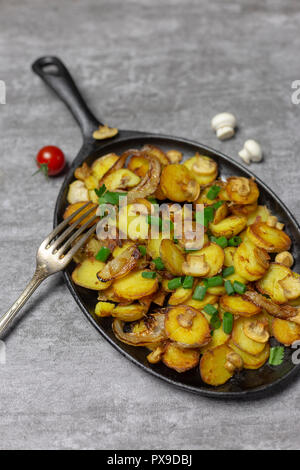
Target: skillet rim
{"points": [[123, 136]]}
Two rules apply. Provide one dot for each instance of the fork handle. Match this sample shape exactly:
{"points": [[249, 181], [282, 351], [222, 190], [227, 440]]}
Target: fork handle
{"points": [[8, 317]]}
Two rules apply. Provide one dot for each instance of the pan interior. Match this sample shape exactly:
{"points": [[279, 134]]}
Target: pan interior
{"points": [[247, 382]]}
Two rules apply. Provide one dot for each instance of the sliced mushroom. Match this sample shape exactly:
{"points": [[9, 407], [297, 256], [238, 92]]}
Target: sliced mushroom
{"points": [[291, 286], [186, 319], [148, 330], [195, 266], [155, 356], [105, 132], [204, 166], [241, 186], [192, 189], [174, 156], [77, 192], [256, 330], [286, 258], [233, 362]]}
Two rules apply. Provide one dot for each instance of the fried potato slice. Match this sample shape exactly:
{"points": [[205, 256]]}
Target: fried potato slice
{"points": [[242, 190], [180, 359], [139, 165], [133, 219], [131, 312], [101, 166], [238, 305], [85, 274], [178, 183], [121, 179], [212, 366], [187, 326], [74, 207], [172, 257], [243, 209], [270, 283], [220, 214], [229, 227], [204, 169], [214, 257], [242, 341], [104, 309], [250, 261], [261, 214], [286, 332], [200, 304], [218, 338], [271, 239], [134, 286], [229, 255], [180, 296], [250, 361]]}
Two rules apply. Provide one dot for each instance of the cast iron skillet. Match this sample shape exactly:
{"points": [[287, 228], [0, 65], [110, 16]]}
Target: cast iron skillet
{"points": [[246, 384]]}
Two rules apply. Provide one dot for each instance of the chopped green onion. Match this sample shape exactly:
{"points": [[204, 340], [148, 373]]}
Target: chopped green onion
{"points": [[152, 200], [188, 282], [276, 355], [228, 271], [234, 241], [175, 283], [218, 204], [199, 293], [213, 192], [215, 321], [227, 322], [229, 287], [221, 241], [149, 274], [205, 216], [210, 309], [159, 263], [239, 287], [99, 192], [103, 254], [154, 221], [214, 281], [142, 249]]}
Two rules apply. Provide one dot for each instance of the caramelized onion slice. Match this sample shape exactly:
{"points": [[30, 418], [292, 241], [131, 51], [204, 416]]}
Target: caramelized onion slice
{"points": [[149, 183], [121, 265], [149, 330], [285, 312]]}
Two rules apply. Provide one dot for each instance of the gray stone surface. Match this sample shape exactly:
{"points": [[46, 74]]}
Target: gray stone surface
{"points": [[165, 66]]}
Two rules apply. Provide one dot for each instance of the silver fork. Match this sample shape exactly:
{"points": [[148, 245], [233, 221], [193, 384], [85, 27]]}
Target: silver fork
{"points": [[53, 256]]}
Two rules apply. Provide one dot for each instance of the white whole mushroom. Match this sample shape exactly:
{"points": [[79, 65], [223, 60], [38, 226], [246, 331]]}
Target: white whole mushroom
{"points": [[224, 124], [251, 152]]}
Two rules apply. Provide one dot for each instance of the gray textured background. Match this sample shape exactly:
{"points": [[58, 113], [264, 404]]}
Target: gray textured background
{"points": [[165, 66]]}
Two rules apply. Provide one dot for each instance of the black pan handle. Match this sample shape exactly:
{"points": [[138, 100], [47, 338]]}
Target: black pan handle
{"points": [[57, 77]]}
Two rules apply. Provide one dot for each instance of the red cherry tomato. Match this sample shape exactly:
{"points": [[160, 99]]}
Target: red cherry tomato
{"points": [[51, 160]]}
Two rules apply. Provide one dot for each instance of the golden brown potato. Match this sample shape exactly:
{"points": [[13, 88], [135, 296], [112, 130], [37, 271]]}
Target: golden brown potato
{"points": [[243, 209], [180, 359], [261, 214], [212, 366], [78, 192], [250, 361], [213, 256], [218, 338], [132, 220], [187, 326], [178, 184], [250, 261], [200, 304], [139, 165], [104, 309], [121, 179], [103, 164], [229, 227], [269, 238], [242, 190], [270, 283], [174, 156], [85, 275], [229, 252], [131, 312], [74, 207], [242, 341], [286, 332], [204, 169], [238, 305], [134, 286], [172, 257], [180, 296], [220, 214]]}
